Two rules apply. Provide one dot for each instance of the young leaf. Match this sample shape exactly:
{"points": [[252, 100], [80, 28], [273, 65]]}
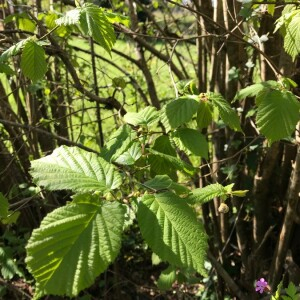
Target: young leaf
{"points": [[146, 117], [254, 89], [75, 169], [71, 17], [9, 267], [204, 114], [94, 23], [278, 114], [73, 245], [33, 61], [180, 111], [192, 140], [170, 228], [207, 193], [166, 278], [227, 114]]}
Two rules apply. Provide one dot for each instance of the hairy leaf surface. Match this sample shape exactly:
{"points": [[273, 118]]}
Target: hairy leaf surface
{"points": [[94, 23], [73, 245], [227, 114], [207, 193], [170, 227], [75, 169]]}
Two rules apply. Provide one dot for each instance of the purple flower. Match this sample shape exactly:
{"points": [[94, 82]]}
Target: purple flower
{"points": [[261, 284]]}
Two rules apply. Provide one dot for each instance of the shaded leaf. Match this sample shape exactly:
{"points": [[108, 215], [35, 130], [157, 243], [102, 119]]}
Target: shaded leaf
{"points": [[193, 141], [227, 114], [277, 115], [166, 278], [204, 114], [33, 61], [3, 206]]}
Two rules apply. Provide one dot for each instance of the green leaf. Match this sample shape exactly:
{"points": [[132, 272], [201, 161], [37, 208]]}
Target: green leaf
{"points": [[278, 114], [159, 182], [162, 182], [73, 245], [291, 33], [71, 17], [206, 194], [192, 140], [170, 227], [278, 291], [156, 157], [130, 156], [254, 89], [291, 290], [4, 68], [166, 278], [75, 169], [180, 111], [204, 114], [95, 24], [4, 205], [33, 61], [24, 23], [158, 165], [146, 117], [119, 142], [227, 114], [117, 18], [13, 50], [12, 218]]}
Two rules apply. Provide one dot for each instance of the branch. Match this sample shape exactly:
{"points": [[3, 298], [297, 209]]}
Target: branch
{"points": [[229, 281], [53, 135]]}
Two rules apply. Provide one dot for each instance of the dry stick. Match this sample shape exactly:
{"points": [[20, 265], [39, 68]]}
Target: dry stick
{"points": [[14, 288], [96, 87], [287, 226], [222, 272], [77, 84], [29, 127]]}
